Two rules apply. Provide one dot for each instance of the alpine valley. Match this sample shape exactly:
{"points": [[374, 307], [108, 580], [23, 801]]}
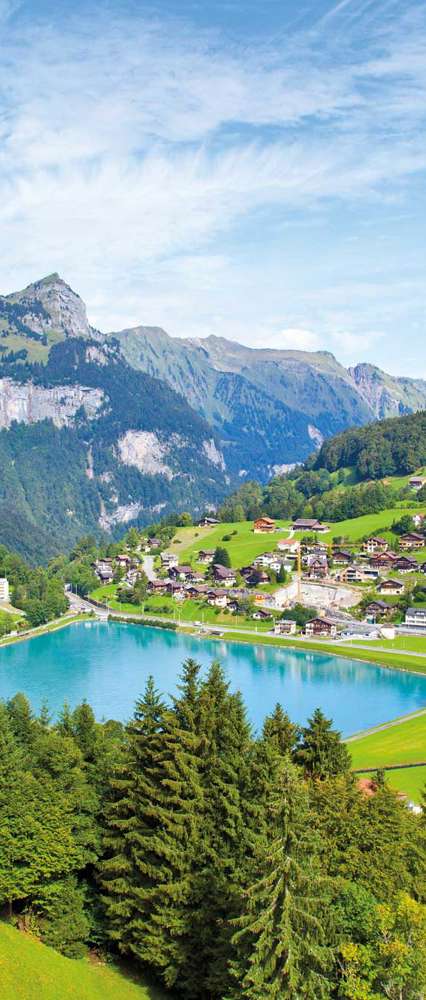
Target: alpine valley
{"points": [[104, 429]]}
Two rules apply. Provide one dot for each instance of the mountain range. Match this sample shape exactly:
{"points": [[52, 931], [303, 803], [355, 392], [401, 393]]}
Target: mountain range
{"points": [[151, 423]]}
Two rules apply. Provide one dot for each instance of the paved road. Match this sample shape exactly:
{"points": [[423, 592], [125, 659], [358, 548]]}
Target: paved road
{"points": [[148, 567]]}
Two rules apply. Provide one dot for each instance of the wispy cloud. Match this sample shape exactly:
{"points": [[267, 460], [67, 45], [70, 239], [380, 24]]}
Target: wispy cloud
{"points": [[144, 154]]}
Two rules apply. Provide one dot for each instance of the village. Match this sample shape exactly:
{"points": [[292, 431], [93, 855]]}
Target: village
{"points": [[300, 584]]}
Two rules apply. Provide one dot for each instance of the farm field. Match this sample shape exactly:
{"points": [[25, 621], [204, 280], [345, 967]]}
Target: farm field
{"points": [[403, 743], [31, 971]]}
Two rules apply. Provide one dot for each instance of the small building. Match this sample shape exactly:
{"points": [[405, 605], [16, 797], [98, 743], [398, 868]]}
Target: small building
{"points": [[157, 586], [154, 543], [309, 524], [264, 525], [261, 615], [416, 482], [205, 556], [412, 540], [379, 609], [290, 546], [181, 572], [208, 522], [317, 566], [123, 560], [416, 618], [391, 587], [224, 575], [4, 589], [176, 590], [321, 627], [341, 557], [169, 559], [286, 626], [218, 598], [375, 544], [405, 564]]}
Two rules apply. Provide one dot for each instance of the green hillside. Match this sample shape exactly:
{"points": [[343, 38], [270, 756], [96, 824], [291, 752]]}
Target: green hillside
{"points": [[31, 971], [401, 743]]}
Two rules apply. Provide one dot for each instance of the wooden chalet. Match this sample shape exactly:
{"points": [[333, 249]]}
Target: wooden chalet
{"points": [[264, 525], [321, 627]]}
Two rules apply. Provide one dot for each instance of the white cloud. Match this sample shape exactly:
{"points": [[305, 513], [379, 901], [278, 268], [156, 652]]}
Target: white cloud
{"points": [[295, 339], [131, 155]]}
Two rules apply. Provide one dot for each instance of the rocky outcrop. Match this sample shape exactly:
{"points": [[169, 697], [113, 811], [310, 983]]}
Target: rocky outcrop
{"points": [[27, 403], [146, 452], [50, 305], [387, 395]]}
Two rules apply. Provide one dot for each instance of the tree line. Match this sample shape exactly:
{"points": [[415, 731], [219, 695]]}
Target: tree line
{"points": [[229, 863]]}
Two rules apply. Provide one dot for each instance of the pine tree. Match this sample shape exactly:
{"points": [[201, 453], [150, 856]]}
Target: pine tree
{"points": [[280, 935], [278, 728], [222, 859], [152, 840], [321, 752]]}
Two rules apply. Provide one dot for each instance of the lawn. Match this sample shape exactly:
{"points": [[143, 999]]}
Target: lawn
{"points": [[243, 546], [412, 643], [403, 743], [368, 524], [30, 971]]}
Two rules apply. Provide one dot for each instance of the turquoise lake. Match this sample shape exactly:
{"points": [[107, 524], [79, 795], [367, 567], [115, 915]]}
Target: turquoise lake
{"points": [[108, 664]]}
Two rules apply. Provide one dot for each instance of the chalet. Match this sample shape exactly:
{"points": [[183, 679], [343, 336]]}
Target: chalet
{"points": [[262, 616], [264, 525], [416, 482], [205, 556], [181, 572], [103, 570], [132, 576], [196, 591], [379, 609], [158, 586], [383, 560], [270, 560], [321, 626], [208, 522], [285, 627], [412, 540], [316, 566], [218, 598], [224, 575], [154, 543], [405, 564], [176, 590], [341, 557], [289, 546], [391, 587], [416, 617], [309, 524], [375, 544], [169, 559], [123, 560]]}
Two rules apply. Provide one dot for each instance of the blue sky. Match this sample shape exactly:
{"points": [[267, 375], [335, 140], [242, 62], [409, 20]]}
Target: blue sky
{"points": [[251, 170]]}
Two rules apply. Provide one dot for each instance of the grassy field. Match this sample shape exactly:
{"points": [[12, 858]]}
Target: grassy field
{"points": [[403, 743], [243, 546], [412, 643], [186, 611], [30, 971]]}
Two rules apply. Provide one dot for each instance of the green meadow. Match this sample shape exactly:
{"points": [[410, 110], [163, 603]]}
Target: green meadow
{"points": [[400, 743], [31, 971]]}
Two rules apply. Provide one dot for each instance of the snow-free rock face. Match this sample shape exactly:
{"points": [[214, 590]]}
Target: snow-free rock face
{"points": [[27, 403], [146, 452], [387, 395], [46, 306]]}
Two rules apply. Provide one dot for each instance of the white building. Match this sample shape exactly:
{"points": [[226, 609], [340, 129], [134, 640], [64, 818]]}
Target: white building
{"points": [[416, 618], [4, 589]]}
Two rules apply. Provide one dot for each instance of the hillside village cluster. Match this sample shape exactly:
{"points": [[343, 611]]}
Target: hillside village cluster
{"points": [[369, 567]]}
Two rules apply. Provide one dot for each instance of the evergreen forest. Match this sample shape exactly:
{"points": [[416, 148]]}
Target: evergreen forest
{"points": [[225, 862]]}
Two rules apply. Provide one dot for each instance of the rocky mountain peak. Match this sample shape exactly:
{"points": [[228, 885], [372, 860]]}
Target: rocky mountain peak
{"points": [[51, 305]]}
